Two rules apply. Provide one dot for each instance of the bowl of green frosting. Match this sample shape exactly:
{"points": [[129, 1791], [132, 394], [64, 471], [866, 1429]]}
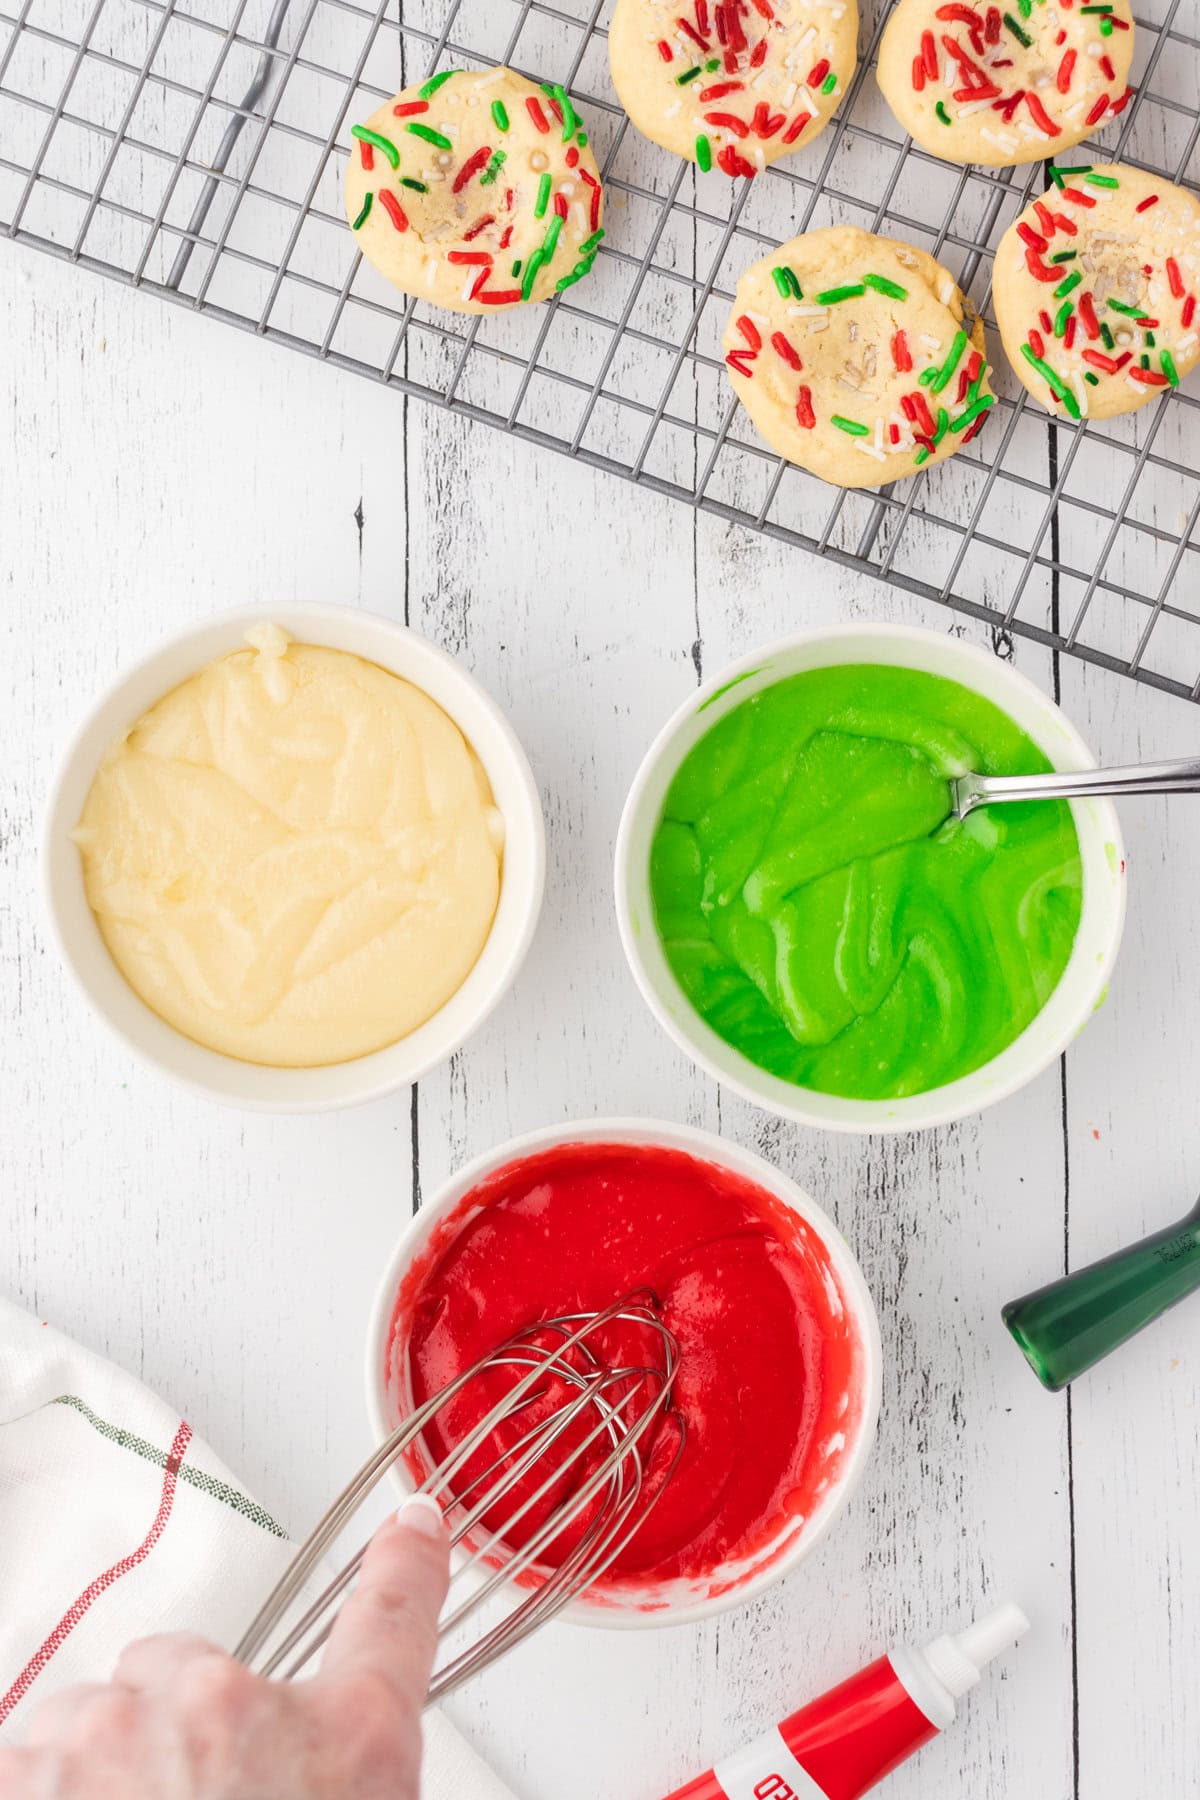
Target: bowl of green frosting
{"points": [[811, 925]]}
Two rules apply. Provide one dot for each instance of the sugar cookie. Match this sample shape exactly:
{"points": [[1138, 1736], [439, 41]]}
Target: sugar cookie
{"points": [[978, 84], [734, 84], [476, 190], [857, 356], [1095, 290]]}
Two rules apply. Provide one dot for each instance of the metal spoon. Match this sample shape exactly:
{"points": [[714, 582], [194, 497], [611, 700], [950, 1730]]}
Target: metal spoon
{"points": [[969, 791]]}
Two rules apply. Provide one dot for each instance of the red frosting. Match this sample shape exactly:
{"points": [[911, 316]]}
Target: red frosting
{"points": [[770, 1366]]}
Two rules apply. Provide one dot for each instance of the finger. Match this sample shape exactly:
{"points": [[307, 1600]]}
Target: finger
{"points": [[50, 1721], [388, 1626], [26, 1775], [156, 1662]]}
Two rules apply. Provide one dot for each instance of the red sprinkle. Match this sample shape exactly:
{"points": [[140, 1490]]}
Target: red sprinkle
{"points": [[805, 416], [783, 348], [750, 331], [1077, 198], [720, 89], [818, 72], [929, 55], [665, 50], [479, 282], [733, 164], [894, 432], [368, 155], [1189, 311], [1045, 219], [506, 240], [973, 367], [473, 166], [1106, 69], [1029, 236], [728, 122], [796, 127], [409, 107], [572, 157], [1006, 108], [1040, 116], [560, 205], [758, 55], [976, 93], [702, 17], [765, 124], [478, 226], [976, 428], [1087, 314], [1148, 377], [393, 209], [1098, 111], [918, 75], [1066, 69], [594, 207], [1098, 360], [498, 296], [1036, 344], [1174, 278], [475, 257], [1037, 268], [763, 7], [1069, 333], [690, 31], [901, 354], [1065, 224], [1144, 205], [741, 360], [991, 30], [535, 112]]}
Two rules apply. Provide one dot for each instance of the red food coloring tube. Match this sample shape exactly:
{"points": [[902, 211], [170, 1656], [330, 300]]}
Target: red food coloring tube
{"points": [[839, 1746]]}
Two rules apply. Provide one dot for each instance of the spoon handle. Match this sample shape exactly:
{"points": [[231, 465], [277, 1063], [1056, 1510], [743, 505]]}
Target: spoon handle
{"points": [[1182, 777]]}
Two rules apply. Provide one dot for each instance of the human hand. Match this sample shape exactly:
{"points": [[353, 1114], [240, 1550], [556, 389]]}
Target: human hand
{"points": [[180, 1720]]}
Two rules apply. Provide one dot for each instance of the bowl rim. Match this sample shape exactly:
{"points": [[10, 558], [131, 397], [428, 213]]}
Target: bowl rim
{"points": [[705, 1146], [936, 1106], [323, 1087]]}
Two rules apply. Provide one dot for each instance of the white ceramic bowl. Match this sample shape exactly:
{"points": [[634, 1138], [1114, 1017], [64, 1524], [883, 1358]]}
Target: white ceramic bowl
{"points": [[246, 1084], [649, 1604], [1083, 982]]}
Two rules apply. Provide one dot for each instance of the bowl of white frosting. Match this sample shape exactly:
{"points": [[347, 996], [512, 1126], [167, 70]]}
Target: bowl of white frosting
{"points": [[294, 857]]}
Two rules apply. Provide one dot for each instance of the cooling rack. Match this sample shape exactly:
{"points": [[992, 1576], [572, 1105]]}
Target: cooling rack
{"points": [[196, 149]]}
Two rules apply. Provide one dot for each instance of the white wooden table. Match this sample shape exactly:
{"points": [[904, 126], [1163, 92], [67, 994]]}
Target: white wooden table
{"points": [[153, 468]]}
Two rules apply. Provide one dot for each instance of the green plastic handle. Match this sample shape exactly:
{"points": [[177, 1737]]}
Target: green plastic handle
{"points": [[1071, 1324]]}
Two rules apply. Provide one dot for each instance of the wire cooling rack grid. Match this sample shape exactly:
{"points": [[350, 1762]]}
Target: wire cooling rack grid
{"points": [[196, 148]]}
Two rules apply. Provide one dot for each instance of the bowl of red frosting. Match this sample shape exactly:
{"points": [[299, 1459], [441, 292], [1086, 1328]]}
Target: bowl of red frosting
{"points": [[778, 1379]]}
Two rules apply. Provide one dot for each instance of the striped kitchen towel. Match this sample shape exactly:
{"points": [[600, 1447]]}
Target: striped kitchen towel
{"points": [[117, 1522]]}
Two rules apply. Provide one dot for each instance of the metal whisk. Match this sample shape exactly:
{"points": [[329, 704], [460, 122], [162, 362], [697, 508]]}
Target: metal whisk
{"points": [[596, 1441]]}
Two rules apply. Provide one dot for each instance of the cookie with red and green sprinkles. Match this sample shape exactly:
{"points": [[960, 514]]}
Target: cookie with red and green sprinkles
{"points": [[477, 190], [1015, 82], [857, 357], [732, 84], [1096, 287]]}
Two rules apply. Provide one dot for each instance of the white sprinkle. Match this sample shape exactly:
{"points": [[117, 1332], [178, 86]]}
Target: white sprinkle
{"points": [[1093, 50], [789, 95], [487, 80], [759, 319], [930, 343], [472, 278], [869, 450], [945, 291], [1081, 390], [964, 112], [672, 110], [808, 312]]}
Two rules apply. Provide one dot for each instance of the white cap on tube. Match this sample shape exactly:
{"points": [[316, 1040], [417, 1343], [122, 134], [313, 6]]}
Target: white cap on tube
{"points": [[958, 1661]]}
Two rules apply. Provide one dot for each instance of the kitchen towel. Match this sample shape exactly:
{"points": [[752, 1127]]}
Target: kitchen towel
{"points": [[117, 1522]]}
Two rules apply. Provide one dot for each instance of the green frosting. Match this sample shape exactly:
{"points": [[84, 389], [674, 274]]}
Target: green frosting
{"points": [[822, 911]]}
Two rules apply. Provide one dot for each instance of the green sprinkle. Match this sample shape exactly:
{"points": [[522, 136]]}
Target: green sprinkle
{"points": [[1057, 387], [437, 138], [1024, 7], [1105, 8], [531, 268], [1148, 340], [1069, 285], [1060, 318], [703, 154], [418, 187], [850, 425], [954, 357], [1106, 336], [1021, 35], [516, 269], [831, 296], [380, 142], [570, 116], [714, 64], [589, 244], [365, 214], [940, 110], [928, 375], [434, 83], [1168, 367], [1106, 28], [786, 281], [921, 456], [829, 83], [550, 241], [1104, 181], [500, 115], [970, 413], [1064, 256], [1145, 361], [688, 75], [499, 158], [943, 425], [882, 285], [1092, 379], [1131, 312], [582, 139], [543, 197]]}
